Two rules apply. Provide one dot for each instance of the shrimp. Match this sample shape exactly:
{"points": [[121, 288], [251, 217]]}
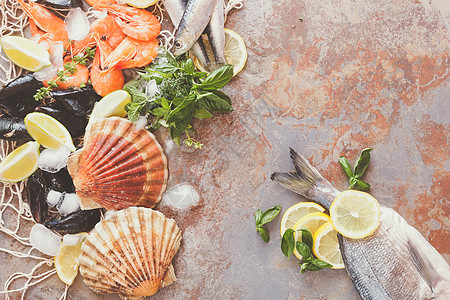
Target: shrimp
{"points": [[105, 82], [94, 3], [105, 28], [132, 53], [81, 76], [53, 27], [139, 24]]}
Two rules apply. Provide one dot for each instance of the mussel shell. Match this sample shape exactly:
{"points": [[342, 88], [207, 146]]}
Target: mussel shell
{"points": [[74, 124], [59, 181], [80, 102], [13, 129], [37, 191], [62, 3], [16, 97], [79, 221]]}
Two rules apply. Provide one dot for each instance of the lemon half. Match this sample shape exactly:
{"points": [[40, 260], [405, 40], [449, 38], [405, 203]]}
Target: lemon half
{"points": [[326, 246], [25, 53], [111, 105], [20, 163], [355, 214], [66, 260]]}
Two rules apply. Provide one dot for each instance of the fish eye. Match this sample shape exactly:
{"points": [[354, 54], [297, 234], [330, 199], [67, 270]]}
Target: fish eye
{"points": [[178, 45]]}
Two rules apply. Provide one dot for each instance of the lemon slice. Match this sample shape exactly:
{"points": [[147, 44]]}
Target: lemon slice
{"points": [[140, 3], [20, 163], [326, 246], [47, 131], [296, 212], [111, 105], [25, 53], [312, 222], [355, 214], [66, 260], [235, 51]]}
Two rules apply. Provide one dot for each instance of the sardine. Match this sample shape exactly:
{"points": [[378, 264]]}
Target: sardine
{"points": [[216, 35], [395, 262], [194, 21], [175, 9]]}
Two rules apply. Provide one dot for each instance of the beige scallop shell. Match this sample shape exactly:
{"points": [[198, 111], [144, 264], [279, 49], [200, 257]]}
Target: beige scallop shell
{"points": [[119, 166], [130, 253]]}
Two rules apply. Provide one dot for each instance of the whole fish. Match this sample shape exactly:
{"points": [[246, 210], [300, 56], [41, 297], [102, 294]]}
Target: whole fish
{"points": [[194, 21], [395, 262], [216, 35], [175, 9]]}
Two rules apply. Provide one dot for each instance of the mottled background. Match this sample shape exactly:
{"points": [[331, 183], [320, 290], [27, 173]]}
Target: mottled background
{"points": [[327, 78]]}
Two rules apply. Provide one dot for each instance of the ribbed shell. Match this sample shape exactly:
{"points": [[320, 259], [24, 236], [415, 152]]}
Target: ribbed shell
{"points": [[130, 253], [119, 166]]}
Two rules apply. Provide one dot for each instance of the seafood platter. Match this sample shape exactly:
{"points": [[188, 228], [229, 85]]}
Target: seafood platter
{"points": [[155, 148]]}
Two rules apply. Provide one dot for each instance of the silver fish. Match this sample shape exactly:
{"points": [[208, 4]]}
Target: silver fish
{"points": [[175, 9], [216, 34], [194, 21], [395, 262]]}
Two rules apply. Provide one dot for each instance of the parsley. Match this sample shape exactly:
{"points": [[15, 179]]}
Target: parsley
{"points": [[182, 95]]}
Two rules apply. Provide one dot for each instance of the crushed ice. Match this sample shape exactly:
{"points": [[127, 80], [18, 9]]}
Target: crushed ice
{"points": [[181, 196], [68, 204], [151, 90], [44, 240], [53, 198], [51, 160], [77, 24], [140, 123]]}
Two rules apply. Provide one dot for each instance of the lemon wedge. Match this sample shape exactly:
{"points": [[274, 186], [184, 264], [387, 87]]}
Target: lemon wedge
{"points": [[111, 105], [326, 246], [20, 163], [235, 51], [47, 131], [312, 222], [140, 3], [66, 260], [294, 213], [25, 53], [355, 214]]}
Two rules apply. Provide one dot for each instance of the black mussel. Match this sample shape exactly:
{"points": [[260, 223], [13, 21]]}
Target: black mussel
{"points": [[77, 101], [59, 181], [79, 221], [13, 129], [37, 196], [16, 97], [62, 3], [75, 125]]}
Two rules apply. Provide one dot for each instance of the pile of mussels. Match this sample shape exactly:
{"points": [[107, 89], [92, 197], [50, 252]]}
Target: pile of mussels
{"points": [[71, 108]]}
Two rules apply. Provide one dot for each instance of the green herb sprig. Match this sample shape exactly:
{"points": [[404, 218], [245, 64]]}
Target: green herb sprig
{"points": [[70, 67], [358, 171], [304, 248], [262, 218], [183, 94]]}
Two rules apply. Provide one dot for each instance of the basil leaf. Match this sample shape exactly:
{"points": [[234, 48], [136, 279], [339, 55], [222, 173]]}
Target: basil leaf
{"points": [[270, 214], [218, 79], [182, 114], [258, 215], [133, 110], [345, 164], [320, 263], [264, 234], [362, 163], [311, 267], [202, 113], [165, 103], [303, 267], [288, 243], [307, 238], [223, 96], [353, 180], [212, 102], [174, 135], [361, 185], [303, 250], [188, 66]]}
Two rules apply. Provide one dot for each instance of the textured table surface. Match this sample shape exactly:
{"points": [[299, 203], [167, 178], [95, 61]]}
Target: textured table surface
{"points": [[327, 78]]}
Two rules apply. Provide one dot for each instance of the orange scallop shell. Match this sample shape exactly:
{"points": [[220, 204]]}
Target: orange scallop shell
{"points": [[119, 166]]}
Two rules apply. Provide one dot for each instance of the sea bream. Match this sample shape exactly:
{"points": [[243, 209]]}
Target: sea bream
{"points": [[395, 262], [194, 21]]}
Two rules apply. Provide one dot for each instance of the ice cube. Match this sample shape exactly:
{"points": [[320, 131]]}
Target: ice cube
{"points": [[71, 239], [77, 24], [151, 90], [69, 204], [44, 240], [53, 198], [140, 123], [51, 160], [181, 196]]}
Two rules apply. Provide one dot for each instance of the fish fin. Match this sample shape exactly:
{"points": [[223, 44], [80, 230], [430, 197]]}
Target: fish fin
{"points": [[292, 181], [423, 266]]}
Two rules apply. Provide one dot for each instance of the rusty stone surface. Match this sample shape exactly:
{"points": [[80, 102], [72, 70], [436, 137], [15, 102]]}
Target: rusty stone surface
{"points": [[327, 78]]}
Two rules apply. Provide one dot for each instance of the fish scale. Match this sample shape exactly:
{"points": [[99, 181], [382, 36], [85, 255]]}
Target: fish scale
{"points": [[395, 262]]}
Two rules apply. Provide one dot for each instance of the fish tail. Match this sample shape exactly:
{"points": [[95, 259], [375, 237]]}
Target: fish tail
{"points": [[306, 181]]}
